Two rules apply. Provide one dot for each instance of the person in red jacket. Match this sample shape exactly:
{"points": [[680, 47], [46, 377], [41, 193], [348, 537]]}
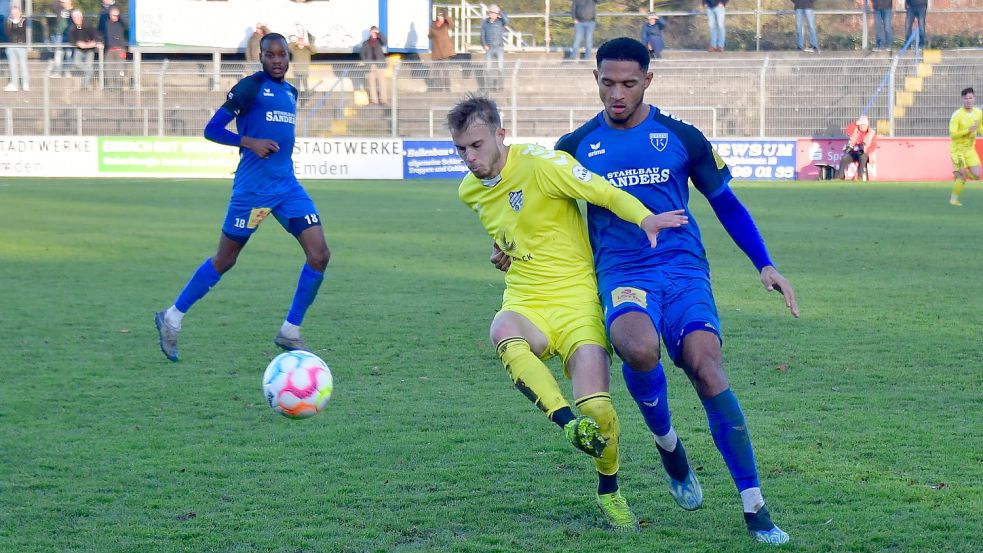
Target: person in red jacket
{"points": [[861, 145]]}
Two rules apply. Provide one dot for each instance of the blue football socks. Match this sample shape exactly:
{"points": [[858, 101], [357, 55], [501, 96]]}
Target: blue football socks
{"points": [[201, 282], [648, 389], [729, 431], [307, 286]]}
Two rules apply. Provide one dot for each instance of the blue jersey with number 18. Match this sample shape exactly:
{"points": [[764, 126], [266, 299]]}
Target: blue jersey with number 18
{"points": [[654, 162], [264, 108]]}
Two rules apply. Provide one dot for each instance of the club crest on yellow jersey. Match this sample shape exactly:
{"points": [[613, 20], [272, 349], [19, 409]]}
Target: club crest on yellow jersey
{"points": [[515, 200]]}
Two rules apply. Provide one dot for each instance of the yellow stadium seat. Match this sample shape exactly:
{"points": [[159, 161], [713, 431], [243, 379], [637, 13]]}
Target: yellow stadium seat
{"points": [[905, 99], [932, 56]]}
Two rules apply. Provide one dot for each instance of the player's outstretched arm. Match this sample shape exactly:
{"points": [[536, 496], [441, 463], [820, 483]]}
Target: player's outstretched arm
{"points": [[773, 280], [654, 223]]}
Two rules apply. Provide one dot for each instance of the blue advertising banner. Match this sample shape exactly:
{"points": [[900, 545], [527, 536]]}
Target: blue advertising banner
{"points": [[432, 159], [758, 159]]}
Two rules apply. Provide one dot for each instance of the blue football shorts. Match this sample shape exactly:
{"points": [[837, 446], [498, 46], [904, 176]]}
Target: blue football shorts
{"points": [[293, 209], [677, 304]]}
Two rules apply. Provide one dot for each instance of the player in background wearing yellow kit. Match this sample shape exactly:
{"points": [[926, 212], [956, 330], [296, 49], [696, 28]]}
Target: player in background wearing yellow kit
{"points": [[964, 126], [526, 198]]}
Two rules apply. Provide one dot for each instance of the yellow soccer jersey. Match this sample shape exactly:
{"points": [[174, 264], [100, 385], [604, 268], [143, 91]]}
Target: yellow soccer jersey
{"points": [[959, 124], [532, 215]]}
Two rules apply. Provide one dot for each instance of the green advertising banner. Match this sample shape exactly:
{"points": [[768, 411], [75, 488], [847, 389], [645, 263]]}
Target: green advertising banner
{"points": [[165, 156]]}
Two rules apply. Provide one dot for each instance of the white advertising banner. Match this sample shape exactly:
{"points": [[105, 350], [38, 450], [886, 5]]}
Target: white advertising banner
{"points": [[48, 156], [348, 158], [337, 26]]}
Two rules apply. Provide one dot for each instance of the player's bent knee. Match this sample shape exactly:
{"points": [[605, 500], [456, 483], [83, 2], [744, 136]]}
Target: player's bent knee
{"points": [[642, 355], [318, 260]]}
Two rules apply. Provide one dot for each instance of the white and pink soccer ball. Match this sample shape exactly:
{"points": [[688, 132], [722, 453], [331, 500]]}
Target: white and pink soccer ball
{"points": [[297, 384]]}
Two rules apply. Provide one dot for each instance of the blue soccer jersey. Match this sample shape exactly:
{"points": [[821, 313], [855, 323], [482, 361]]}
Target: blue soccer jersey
{"points": [[264, 108], [654, 162]]}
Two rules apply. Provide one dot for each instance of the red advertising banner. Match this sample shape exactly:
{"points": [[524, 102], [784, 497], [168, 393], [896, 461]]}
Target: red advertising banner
{"points": [[893, 159]]}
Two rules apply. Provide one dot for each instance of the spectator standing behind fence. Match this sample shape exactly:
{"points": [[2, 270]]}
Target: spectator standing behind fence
{"points": [[805, 13], [104, 15], [85, 39], [115, 37], [302, 50], [61, 20], [441, 49], [374, 55], [584, 22], [916, 9], [252, 48], [858, 148], [716, 15], [493, 41], [883, 33], [15, 27], [652, 35]]}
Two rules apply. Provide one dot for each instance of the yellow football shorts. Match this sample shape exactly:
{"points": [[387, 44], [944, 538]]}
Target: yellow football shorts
{"points": [[566, 325], [964, 158]]}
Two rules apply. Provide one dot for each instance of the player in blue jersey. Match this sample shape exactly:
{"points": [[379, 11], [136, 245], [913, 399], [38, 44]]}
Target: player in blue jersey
{"points": [[664, 292], [264, 107]]}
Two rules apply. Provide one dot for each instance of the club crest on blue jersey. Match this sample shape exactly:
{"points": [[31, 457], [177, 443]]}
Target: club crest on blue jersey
{"points": [[515, 200], [659, 140]]}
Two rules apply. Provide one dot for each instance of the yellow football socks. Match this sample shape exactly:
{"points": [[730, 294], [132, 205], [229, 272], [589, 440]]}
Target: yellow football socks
{"points": [[530, 375], [957, 187], [598, 407]]}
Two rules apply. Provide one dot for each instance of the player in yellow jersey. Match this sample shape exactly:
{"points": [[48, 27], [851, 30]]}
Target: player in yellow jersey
{"points": [[964, 126], [526, 198]]}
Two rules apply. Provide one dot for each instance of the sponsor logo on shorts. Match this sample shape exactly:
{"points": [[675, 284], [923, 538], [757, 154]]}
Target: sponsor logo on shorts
{"points": [[257, 215], [627, 294]]}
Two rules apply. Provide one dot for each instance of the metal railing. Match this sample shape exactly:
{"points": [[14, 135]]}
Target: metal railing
{"points": [[774, 96], [572, 123]]}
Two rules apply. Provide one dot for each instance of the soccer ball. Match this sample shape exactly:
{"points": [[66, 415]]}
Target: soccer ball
{"points": [[297, 384]]}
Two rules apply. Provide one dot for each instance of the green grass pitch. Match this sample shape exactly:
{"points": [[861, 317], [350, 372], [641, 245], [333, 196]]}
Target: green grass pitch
{"points": [[866, 413]]}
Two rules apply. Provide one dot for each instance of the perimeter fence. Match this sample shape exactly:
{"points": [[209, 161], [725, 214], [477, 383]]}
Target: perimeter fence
{"points": [[753, 96]]}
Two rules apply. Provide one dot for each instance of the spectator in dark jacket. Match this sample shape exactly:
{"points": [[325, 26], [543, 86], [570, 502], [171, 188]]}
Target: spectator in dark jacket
{"points": [[652, 35], [15, 27], [883, 31], [86, 39], [374, 55], [115, 37], [584, 22], [716, 14], [805, 13], [917, 9], [104, 14], [60, 15]]}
